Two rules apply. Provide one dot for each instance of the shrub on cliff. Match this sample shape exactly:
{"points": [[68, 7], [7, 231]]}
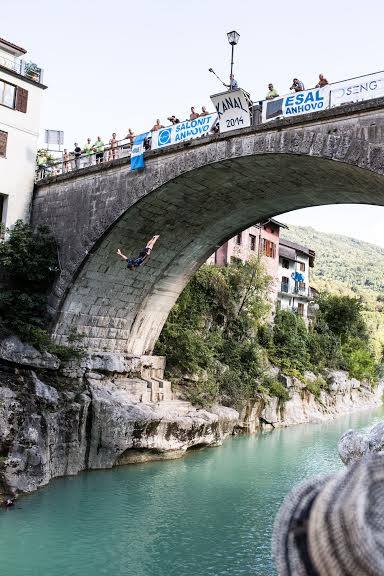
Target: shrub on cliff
{"points": [[28, 266]]}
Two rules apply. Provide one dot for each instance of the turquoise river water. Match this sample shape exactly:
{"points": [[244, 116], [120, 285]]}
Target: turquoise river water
{"points": [[209, 514]]}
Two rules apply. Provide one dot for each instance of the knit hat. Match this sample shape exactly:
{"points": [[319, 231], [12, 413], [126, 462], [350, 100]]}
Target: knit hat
{"points": [[334, 525]]}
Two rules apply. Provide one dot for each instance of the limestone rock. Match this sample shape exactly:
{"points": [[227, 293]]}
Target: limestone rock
{"points": [[13, 350], [353, 445], [49, 393]]}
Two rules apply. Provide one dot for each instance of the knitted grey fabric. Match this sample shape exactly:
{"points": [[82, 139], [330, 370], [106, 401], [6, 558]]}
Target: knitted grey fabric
{"points": [[334, 525]]}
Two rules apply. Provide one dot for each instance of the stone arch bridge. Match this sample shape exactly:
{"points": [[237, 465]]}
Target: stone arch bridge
{"points": [[196, 195]]}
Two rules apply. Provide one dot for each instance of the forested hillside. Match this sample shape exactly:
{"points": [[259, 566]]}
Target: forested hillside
{"points": [[343, 259]]}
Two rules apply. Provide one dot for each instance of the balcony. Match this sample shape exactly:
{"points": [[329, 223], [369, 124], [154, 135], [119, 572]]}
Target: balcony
{"points": [[27, 69], [293, 288], [302, 291]]}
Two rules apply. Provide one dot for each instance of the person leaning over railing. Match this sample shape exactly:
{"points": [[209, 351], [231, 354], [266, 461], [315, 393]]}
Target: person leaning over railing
{"points": [[66, 161], [297, 85], [272, 92], [322, 81], [112, 152], [87, 153], [99, 148], [77, 153]]}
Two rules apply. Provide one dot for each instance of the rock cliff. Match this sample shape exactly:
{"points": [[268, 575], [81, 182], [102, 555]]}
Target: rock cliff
{"points": [[109, 409], [341, 396], [96, 414]]}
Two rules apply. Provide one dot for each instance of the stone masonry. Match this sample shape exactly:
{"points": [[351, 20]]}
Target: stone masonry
{"points": [[196, 195]]}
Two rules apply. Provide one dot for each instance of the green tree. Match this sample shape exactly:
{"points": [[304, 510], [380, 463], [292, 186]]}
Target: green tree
{"points": [[343, 315], [28, 267], [290, 341]]}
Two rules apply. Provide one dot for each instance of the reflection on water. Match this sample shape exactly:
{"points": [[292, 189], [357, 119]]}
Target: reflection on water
{"points": [[209, 514]]}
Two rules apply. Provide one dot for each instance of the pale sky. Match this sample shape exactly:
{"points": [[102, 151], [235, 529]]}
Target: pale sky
{"points": [[123, 63]]}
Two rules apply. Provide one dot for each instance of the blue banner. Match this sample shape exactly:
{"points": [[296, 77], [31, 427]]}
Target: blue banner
{"points": [[183, 131], [137, 152]]}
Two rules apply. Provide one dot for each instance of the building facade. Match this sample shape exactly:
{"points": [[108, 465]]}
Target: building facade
{"points": [[288, 264], [294, 291], [260, 240], [21, 90]]}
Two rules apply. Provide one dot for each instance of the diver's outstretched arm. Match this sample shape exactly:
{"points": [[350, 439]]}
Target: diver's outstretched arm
{"points": [[122, 256], [151, 242]]}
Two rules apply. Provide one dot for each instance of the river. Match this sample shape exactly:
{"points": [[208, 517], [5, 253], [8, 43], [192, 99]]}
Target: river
{"points": [[209, 514]]}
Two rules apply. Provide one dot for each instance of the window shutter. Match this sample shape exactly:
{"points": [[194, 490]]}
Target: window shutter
{"points": [[21, 99], [3, 143]]}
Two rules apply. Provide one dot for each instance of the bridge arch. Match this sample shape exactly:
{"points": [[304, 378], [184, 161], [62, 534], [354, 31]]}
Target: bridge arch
{"points": [[196, 196]]}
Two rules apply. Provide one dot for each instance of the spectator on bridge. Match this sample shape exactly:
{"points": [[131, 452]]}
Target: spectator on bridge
{"points": [[173, 119], [99, 148], [66, 161], [88, 153], [272, 93], [144, 254], [297, 85], [77, 154], [193, 115], [130, 136], [204, 111], [112, 153], [157, 126], [322, 81], [233, 85]]}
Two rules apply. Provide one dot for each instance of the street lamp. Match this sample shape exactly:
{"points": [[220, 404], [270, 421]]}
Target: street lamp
{"points": [[233, 38]]}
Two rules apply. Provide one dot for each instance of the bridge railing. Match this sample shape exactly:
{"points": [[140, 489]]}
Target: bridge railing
{"points": [[53, 168]]}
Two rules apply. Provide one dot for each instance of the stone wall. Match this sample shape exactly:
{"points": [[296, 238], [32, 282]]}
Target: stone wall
{"points": [[196, 195]]}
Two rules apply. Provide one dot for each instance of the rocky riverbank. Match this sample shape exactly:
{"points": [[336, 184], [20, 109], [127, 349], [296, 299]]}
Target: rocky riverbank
{"points": [[109, 409]]}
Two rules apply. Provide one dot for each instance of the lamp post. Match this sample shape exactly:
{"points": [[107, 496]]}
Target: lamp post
{"points": [[233, 38]]}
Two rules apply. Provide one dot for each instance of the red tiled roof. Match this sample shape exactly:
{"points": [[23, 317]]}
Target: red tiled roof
{"points": [[14, 46]]}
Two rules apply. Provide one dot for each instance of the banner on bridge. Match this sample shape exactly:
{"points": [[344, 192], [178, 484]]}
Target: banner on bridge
{"points": [[233, 109], [296, 104], [137, 152], [183, 131], [357, 89]]}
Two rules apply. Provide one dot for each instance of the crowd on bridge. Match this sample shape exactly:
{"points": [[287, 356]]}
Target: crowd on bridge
{"points": [[100, 151], [297, 86]]}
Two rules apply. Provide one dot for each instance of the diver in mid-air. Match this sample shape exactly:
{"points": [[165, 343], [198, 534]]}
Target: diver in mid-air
{"points": [[144, 254]]}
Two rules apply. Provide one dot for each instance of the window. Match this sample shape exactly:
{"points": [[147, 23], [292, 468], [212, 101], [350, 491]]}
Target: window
{"points": [[13, 96], [302, 286], [301, 266], [300, 309], [3, 143], [252, 242], [285, 263], [238, 239], [269, 248], [7, 94], [284, 284]]}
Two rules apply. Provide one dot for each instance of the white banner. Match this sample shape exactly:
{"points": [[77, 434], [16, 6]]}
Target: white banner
{"points": [[232, 108], [183, 131], [296, 104], [357, 89]]}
